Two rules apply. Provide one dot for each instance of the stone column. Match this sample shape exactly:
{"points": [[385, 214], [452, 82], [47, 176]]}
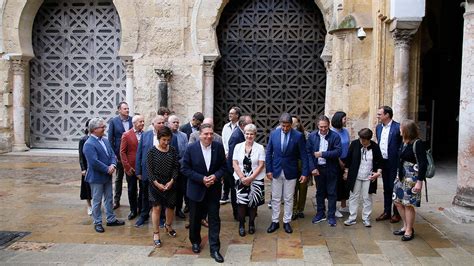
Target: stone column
{"points": [[164, 76], [402, 32], [129, 92], [208, 80], [18, 65], [463, 202]]}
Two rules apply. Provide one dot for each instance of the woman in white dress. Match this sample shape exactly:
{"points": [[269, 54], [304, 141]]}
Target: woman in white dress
{"points": [[249, 163]]}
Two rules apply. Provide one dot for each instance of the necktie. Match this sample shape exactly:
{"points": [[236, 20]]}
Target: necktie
{"points": [[285, 142]]}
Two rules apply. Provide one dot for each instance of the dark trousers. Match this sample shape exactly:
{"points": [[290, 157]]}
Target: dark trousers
{"points": [[118, 182], [195, 215], [133, 197], [326, 188], [181, 191], [145, 210], [233, 194], [227, 184], [388, 179]]}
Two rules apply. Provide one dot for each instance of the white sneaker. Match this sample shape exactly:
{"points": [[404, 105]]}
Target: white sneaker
{"points": [[366, 223], [269, 204], [89, 211], [345, 209], [349, 222], [338, 214]]}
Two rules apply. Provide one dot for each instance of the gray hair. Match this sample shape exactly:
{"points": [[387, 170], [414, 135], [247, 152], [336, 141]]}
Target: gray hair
{"points": [[95, 123], [158, 117], [286, 118], [171, 118], [251, 128], [135, 118]]}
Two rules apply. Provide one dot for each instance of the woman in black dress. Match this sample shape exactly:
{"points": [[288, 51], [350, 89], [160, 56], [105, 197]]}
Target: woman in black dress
{"points": [[85, 187], [162, 166], [411, 173]]}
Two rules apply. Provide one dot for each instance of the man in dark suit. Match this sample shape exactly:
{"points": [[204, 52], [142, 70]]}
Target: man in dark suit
{"points": [[128, 155], [324, 149], [147, 141], [389, 140], [236, 137], [101, 163], [192, 126], [117, 126], [204, 165], [285, 147]]}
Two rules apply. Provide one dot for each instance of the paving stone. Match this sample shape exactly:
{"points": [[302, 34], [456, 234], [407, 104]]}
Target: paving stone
{"points": [[237, 254], [181, 260], [317, 255], [374, 259], [342, 251], [433, 261], [206, 261], [397, 253], [264, 248], [290, 262], [456, 256], [5, 255], [289, 246]]}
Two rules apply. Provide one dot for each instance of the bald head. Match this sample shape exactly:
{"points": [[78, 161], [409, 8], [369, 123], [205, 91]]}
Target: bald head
{"points": [[209, 121], [173, 123]]}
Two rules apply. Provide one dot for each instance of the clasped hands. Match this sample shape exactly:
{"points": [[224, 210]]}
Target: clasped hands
{"points": [[302, 178], [111, 169], [164, 187], [209, 180]]}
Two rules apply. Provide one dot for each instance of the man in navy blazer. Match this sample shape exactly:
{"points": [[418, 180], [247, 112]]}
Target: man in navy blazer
{"points": [[117, 126], [389, 140], [285, 147], [204, 165], [324, 148], [147, 141], [192, 126], [236, 137], [101, 163]]}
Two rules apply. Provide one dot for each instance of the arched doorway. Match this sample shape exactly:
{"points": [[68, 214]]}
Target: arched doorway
{"points": [[76, 73], [270, 62]]}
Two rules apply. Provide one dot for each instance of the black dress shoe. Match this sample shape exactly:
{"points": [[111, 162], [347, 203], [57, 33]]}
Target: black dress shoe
{"points": [[399, 232], [300, 215], [241, 231], [180, 214], [132, 215], [273, 227], [117, 222], [99, 228], [196, 248], [294, 216], [251, 229], [116, 205], [217, 257], [287, 228], [409, 237], [186, 209]]}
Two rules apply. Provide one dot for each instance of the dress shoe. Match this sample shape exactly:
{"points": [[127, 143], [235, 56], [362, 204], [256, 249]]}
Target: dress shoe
{"points": [[294, 216], [300, 215], [180, 214], [99, 228], [186, 209], [287, 228], [140, 222], [241, 231], [116, 205], [132, 215], [409, 237], [251, 229], [273, 227], [395, 219], [217, 257], [399, 232], [117, 222], [196, 248], [382, 217], [204, 223]]}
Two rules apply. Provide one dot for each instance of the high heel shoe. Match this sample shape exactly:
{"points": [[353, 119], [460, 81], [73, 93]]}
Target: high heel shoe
{"points": [[409, 237], [157, 242], [170, 231]]}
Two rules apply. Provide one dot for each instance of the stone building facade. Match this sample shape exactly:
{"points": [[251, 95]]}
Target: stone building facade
{"points": [[372, 56]]}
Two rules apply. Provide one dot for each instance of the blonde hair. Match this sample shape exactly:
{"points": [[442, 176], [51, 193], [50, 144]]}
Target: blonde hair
{"points": [[251, 128], [410, 130]]}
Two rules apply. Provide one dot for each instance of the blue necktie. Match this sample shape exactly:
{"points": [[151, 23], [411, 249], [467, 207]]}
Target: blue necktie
{"points": [[285, 142]]}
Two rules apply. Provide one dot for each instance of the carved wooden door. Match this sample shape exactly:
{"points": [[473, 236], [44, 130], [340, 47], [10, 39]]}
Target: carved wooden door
{"points": [[270, 62], [76, 73]]}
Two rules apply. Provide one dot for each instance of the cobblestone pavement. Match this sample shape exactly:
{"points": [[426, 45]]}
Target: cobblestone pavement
{"points": [[40, 194]]}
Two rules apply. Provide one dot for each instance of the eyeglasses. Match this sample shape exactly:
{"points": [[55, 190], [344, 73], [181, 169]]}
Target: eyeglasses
{"points": [[101, 127]]}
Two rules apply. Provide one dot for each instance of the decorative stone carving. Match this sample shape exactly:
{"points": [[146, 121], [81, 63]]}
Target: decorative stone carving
{"points": [[403, 37], [165, 76], [208, 67], [208, 63]]}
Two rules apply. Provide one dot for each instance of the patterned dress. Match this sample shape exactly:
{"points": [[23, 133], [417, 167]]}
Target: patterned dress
{"points": [[162, 167]]}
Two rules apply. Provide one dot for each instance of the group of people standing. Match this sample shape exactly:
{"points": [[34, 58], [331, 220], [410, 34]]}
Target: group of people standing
{"points": [[169, 165]]}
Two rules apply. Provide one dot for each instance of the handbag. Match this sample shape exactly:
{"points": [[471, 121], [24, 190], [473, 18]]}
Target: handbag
{"points": [[430, 168]]}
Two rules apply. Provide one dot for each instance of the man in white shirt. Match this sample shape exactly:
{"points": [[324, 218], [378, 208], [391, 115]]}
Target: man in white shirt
{"points": [[234, 115]]}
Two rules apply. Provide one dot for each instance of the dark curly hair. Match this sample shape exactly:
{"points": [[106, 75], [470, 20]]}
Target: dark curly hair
{"points": [[164, 132]]}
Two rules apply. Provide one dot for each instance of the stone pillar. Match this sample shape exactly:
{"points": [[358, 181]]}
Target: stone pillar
{"points": [[402, 32], [164, 76], [208, 64], [463, 202], [18, 65], [129, 92]]}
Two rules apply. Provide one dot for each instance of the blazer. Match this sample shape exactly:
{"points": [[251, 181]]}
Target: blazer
{"points": [[352, 162], [194, 167], [186, 129], [182, 144], [82, 158], [331, 155], [128, 150], [115, 132], [98, 161], [236, 138], [394, 143], [145, 144], [277, 161]]}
